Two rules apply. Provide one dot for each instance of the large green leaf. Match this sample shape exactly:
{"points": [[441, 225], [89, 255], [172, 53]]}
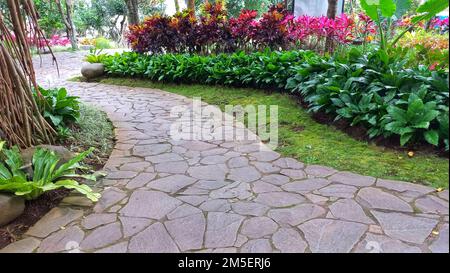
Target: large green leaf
{"points": [[388, 8], [402, 7], [429, 9], [370, 7], [432, 137]]}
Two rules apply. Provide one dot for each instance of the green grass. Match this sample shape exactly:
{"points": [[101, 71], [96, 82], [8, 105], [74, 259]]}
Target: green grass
{"points": [[93, 129], [302, 138]]}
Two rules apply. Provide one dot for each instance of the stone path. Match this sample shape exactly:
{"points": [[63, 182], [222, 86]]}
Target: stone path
{"points": [[163, 195]]}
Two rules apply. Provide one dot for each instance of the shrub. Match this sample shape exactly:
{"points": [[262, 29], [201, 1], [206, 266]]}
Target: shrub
{"points": [[57, 107], [370, 89], [102, 43], [46, 175]]}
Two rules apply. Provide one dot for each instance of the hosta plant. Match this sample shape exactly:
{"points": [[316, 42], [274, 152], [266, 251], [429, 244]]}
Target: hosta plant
{"points": [[47, 174]]}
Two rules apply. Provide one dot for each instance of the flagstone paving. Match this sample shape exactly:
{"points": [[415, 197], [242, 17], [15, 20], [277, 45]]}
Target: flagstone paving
{"points": [[166, 195]]}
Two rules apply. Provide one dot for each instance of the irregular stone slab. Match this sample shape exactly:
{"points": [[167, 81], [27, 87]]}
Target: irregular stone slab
{"points": [[316, 199], [149, 204], [288, 163], [307, 185], [265, 156], [163, 158], [373, 243], [378, 199], [11, 207], [293, 173], [275, 179], [117, 248], [319, 171], [135, 166], [279, 199], [222, 229], [131, 225], [244, 174], [121, 175], [53, 221], [188, 231], [102, 237], [348, 209], [193, 200], [238, 162], [265, 167], [443, 195], [140, 180], [152, 149], [261, 187], [343, 191], [198, 145], [79, 201], [109, 197], [171, 184], [440, 245], [332, 236], [296, 215], [153, 239], [403, 186], [257, 246], [235, 190], [216, 205], [178, 167], [432, 204], [210, 172], [352, 179], [288, 240], [225, 250], [183, 211], [250, 208], [214, 159], [27, 245], [404, 227], [98, 219], [258, 227], [210, 184], [63, 240]]}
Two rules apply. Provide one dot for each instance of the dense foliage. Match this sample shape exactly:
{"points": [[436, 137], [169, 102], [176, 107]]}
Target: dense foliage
{"points": [[214, 32], [371, 89], [47, 174]]}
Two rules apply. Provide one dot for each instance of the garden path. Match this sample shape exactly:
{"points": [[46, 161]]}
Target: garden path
{"points": [[164, 195]]}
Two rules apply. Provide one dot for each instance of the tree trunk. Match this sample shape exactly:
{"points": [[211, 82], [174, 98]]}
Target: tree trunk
{"points": [[133, 12], [331, 13], [177, 6], [191, 5], [68, 22]]}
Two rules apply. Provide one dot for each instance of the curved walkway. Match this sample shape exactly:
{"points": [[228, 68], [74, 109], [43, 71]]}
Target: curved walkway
{"points": [[163, 195]]}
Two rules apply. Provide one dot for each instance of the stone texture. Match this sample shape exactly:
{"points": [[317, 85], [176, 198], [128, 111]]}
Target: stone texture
{"points": [[432, 204], [288, 240], [275, 179], [26, 245], [378, 199], [109, 197], [293, 173], [348, 209], [304, 186], [279, 199], [210, 172], [352, 179], [403, 186], [440, 245], [11, 207], [343, 191], [102, 236], [219, 205], [131, 225], [257, 246], [222, 229], [142, 204], [319, 171], [178, 167], [171, 184], [332, 236], [153, 239], [373, 243], [404, 227], [288, 163], [53, 221], [187, 231], [244, 174], [92, 70], [296, 215], [63, 240], [95, 220], [258, 227], [140, 180], [262, 187], [117, 248], [235, 190], [183, 211], [250, 208]]}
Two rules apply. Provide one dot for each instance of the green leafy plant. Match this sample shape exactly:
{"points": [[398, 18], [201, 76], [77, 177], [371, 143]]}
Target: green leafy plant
{"points": [[46, 174], [57, 106], [95, 56], [102, 43]]}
